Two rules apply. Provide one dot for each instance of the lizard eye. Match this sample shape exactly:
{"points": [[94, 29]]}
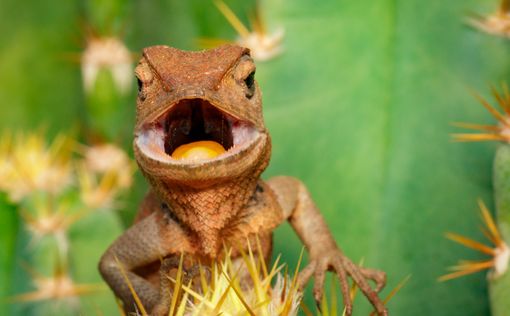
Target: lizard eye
{"points": [[249, 81], [141, 94], [139, 83]]}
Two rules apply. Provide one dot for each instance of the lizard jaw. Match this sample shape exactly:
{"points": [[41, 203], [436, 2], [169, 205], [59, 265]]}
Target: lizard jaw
{"points": [[191, 120]]}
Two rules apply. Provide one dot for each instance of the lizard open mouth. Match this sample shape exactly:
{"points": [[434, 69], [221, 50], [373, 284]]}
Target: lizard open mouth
{"points": [[194, 120]]}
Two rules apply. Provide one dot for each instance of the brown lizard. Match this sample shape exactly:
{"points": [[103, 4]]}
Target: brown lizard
{"points": [[197, 206]]}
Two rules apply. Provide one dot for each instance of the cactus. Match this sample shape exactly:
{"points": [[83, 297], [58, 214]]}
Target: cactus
{"points": [[497, 24], [65, 207], [497, 231], [499, 284]]}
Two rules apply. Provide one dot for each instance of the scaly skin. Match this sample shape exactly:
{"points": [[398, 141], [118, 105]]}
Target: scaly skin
{"points": [[196, 207]]}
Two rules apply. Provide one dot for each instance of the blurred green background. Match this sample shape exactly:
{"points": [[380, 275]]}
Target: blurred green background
{"points": [[359, 107]]}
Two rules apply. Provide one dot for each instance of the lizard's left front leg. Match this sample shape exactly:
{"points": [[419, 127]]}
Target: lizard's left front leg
{"points": [[149, 240], [303, 215]]}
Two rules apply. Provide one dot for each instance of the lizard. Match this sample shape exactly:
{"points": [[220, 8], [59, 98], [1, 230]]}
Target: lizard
{"points": [[195, 207]]}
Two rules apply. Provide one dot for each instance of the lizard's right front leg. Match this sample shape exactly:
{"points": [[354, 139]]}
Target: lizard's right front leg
{"points": [[148, 241]]}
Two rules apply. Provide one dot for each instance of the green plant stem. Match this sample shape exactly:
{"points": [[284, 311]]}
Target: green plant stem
{"points": [[499, 287]]}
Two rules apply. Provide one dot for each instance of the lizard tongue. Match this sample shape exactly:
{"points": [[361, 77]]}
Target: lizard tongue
{"points": [[197, 151]]}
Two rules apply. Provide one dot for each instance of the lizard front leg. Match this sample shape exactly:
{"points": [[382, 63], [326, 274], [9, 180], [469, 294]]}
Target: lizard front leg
{"points": [[148, 241], [300, 210]]}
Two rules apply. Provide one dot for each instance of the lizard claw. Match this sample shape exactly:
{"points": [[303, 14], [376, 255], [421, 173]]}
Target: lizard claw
{"points": [[318, 287], [335, 261], [377, 276]]}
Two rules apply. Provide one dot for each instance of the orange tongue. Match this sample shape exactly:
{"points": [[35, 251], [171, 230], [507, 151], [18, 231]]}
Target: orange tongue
{"points": [[205, 149]]}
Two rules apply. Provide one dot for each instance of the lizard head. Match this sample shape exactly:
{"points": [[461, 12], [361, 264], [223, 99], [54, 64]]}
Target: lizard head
{"points": [[184, 97]]}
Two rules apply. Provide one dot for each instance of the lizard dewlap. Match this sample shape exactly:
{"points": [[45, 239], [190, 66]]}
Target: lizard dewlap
{"points": [[200, 150]]}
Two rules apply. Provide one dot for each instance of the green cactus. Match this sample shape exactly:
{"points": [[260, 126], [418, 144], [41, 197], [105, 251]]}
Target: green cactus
{"points": [[64, 206], [499, 283]]}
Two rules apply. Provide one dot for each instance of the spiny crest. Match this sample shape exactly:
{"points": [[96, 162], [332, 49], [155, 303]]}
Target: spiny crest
{"points": [[499, 132]]}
